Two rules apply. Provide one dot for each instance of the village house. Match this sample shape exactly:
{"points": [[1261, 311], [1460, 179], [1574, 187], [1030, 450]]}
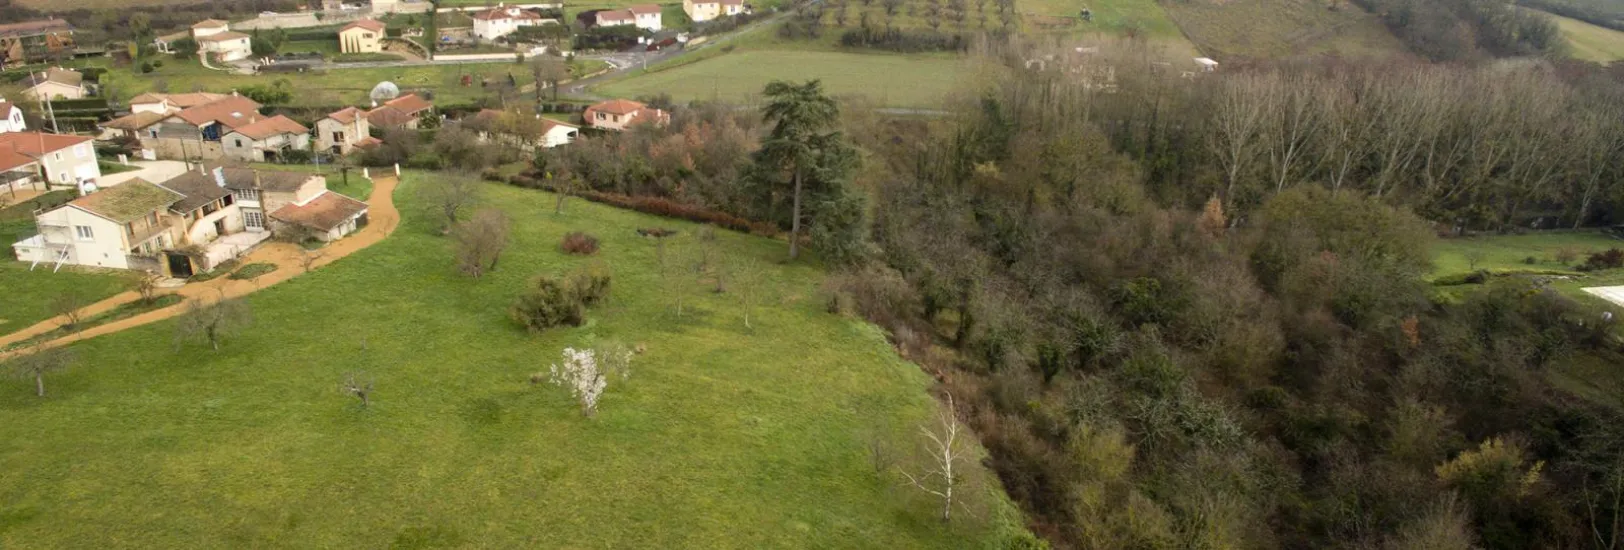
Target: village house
{"points": [[33, 41], [11, 117], [19, 173], [541, 132], [644, 16], [271, 200], [341, 130], [64, 161], [266, 140], [363, 36], [620, 114], [215, 37], [54, 83], [401, 112], [190, 133], [501, 21], [700, 11]]}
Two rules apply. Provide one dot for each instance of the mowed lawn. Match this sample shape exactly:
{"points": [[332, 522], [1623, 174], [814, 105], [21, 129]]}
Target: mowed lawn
{"points": [[1282, 28], [738, 77], [1590, 42], [337, 86], [723, 437], [29, 296], [1510, 252]]}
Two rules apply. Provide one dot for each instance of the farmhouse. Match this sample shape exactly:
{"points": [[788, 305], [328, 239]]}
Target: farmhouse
{"points": [[11, 117], [172, 132], [66, 161], [266, 140], [54, 83], [341, 130], [501, 21], [32, 41], [400, 112], [705, 10], [215, 37], [261, 194], [644, 16], [620, 114], [363, 36]]}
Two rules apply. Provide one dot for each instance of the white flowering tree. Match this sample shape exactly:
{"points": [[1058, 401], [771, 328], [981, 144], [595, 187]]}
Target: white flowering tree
{"points": [[585, 373]]}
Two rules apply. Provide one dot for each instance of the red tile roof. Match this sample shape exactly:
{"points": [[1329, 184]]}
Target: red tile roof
{"points": [[616, 15], [617, 106], [267, 127], [135, 122], [11, 159], [210, 24], [373, 25], [643, 9], [494, 14], [389, 116], [368, 142], [323, 213], [233, 112], [410, 104], [38, 143], [548, 124], [346, 115], [5, 109], [182, 101]]}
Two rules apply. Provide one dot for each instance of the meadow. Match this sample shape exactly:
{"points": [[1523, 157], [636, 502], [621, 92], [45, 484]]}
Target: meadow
{"points": [[1511, 252], [1282, 28], [1590, 42], [889, 79], [722, 437]]}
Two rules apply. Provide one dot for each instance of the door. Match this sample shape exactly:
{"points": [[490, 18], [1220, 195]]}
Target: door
{"points": [[220, 227], [180, 265]]}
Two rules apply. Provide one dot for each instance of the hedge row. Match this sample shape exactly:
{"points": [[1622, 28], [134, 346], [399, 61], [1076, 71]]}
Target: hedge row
{"points": [[660, 206]]}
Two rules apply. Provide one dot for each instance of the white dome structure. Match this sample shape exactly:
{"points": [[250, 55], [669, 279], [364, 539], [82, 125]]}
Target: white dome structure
{"points": [[385, 91]]}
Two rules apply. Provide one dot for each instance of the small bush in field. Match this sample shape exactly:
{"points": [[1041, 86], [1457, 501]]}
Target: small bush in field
{"points": [[552, 301], [1566, 255], [1610, 259], [580, 243]]}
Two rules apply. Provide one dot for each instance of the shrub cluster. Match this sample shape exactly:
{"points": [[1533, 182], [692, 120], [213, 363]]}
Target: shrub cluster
{"points": [[659, 206], [577, 242], [553, 301], [1612, 258], [898, 40]]}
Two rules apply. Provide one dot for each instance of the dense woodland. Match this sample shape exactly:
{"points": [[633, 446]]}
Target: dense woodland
{"points": [[1188, 313]]}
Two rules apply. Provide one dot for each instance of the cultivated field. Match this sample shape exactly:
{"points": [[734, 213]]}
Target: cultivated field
{"points": [[1282, 28], [1591, 42], [894, 80], [723, 436]]}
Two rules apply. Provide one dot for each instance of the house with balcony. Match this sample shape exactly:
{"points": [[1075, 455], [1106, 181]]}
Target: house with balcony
{"points": [[272, 200], [341, 130], [125, 227], [215, 37]]}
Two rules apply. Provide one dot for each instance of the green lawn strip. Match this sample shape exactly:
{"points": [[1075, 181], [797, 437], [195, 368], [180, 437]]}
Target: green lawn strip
{"points": [[1590, 42], [723, 437], [895, 80], [1510, 253], [121, 312], [28, 295], [114, 168], [252, 271]]}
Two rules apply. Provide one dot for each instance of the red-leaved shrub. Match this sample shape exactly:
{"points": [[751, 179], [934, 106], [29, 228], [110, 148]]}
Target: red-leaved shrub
{"points": [[577, 242]]}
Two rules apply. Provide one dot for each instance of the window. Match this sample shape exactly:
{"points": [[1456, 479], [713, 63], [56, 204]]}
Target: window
{"points": [[247, 194], [153, 133], [84, 233], [80, 150], [254, 219], [62, 177], [56, 156], [225, 201], [239, 142]]}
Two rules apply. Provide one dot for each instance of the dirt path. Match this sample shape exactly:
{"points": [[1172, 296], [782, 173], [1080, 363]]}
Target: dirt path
{"points": [[382, 217]]}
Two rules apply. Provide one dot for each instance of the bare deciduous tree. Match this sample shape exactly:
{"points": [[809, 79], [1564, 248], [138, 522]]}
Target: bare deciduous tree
{"points": [[147, 286], [947, 445], [480, 241], [359, 385], [449, 195], [70, 306], [309, 257], [213, 322], [37, 362]]}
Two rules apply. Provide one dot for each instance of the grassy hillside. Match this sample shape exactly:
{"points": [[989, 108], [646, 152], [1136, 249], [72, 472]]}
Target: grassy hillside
{"points": [[1591, 42], [1281, 28], [723, 436], [897, 80], [1510, 252]]}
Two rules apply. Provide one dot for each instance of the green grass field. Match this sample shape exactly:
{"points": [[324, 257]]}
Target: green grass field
{"points": [[1590, 42], [723, 437], [29, 294], [895, 80], [1510, 252], [1282, 28]]}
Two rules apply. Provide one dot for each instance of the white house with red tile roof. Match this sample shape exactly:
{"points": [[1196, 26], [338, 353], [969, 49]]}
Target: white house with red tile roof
{"points": [[66, 161], [11, 117], [620, 114], [501, 21], [644, 16], [403, 111], [214, 36], [266, 140]]}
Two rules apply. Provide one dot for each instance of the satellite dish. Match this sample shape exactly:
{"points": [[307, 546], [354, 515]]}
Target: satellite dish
{"points": [[385, 91]]}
